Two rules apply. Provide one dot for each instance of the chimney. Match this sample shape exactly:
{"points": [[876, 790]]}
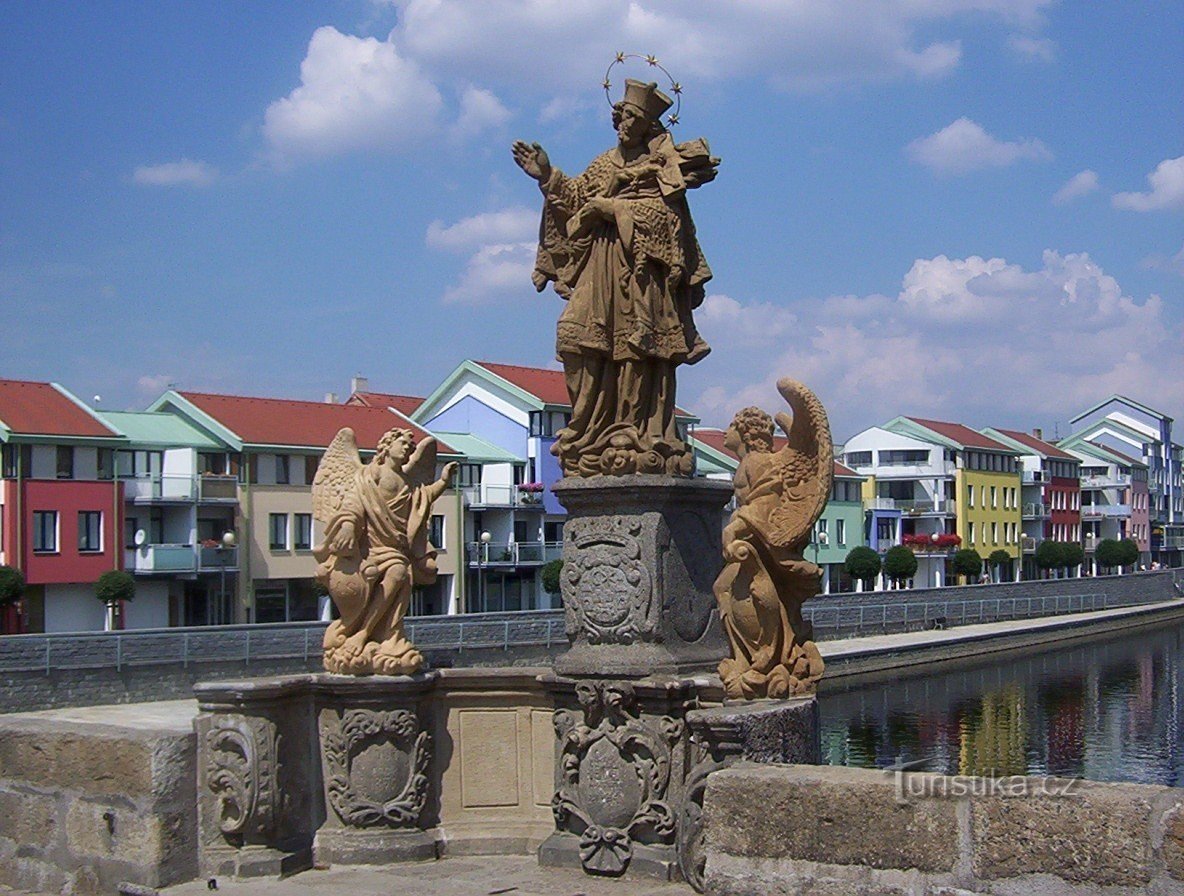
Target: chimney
{"points": [[330, 398], [359, 383], [1038, 433]]}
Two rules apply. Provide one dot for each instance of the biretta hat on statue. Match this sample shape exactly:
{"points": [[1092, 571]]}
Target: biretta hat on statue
{"points": [[646, 97]]}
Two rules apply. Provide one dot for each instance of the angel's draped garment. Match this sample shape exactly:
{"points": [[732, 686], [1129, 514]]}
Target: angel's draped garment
{"points": [[630, 285]]}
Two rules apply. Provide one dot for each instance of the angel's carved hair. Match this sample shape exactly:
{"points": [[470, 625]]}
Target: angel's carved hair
{"points": [[389, 438], [755, 429]]}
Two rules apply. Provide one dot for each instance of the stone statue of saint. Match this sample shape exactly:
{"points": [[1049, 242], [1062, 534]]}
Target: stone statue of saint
{"points": [[376, 548], [780, 495], [619, 245]]}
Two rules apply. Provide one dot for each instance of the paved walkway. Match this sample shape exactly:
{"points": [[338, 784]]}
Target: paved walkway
{"points": [[470, 876]]}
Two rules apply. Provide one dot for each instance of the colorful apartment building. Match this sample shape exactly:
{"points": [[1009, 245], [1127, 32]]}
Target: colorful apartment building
{"points": [[61, 506], [947, 480], [1051, 496], [839, 529], [1115, 497], [273, 449], [1140, 432]]}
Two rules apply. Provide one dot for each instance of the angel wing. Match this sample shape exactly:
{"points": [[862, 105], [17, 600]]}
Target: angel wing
{"points": [[806, 462], [420, 468], [335, 475]]}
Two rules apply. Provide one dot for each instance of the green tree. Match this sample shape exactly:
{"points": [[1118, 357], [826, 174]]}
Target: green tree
{"points": [[862, 563], [900, 564], [114, 586], [1074, 555], [1130, 551], [1000, 560], [12, 585], [967, 562], [1109, 553], [550, 574], [1050, 555]]}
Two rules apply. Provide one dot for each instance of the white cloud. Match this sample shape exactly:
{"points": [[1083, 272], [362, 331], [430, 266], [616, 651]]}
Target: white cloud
{"points": [[1167, 189], [979, 340], [495, 269], [186, 172], [1032, 49], [355, 93], [964, 146], [508, 225], [1079, 184], [155, 384], [480, 111]]}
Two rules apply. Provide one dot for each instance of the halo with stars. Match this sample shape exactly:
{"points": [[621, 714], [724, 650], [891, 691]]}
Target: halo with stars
{"points": [[652, 61]]}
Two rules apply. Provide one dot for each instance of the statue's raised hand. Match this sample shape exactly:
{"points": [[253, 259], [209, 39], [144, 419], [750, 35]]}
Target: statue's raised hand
{"points": [[532, 159]]}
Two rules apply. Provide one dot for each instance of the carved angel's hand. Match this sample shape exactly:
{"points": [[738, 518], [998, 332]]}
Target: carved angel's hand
{"points": [[346, 540], [532, 159], [447, 474]]}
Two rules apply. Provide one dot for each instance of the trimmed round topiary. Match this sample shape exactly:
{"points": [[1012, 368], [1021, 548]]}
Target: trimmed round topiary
{"points": [[1130, 551], [967, 562], [12, 585], [115, 585], [551, 573], [900, 564], [1074, 554], [862, 563], [1050, 554], [1109, 553]]}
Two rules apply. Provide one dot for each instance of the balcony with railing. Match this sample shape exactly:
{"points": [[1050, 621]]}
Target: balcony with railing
{"points": [[529, 496], [516, 553], [1028, 544], [943, 506], [181, 489], [1031, 477], [1104, 511], [157, 559], [1116, 480], [1035, 511]]}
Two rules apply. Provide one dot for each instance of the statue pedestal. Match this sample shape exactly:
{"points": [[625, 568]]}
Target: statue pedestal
{"points": [[376, 756], [640, 556]]}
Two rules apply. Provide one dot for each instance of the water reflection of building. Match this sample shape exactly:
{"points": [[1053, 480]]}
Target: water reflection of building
{"points": [[993, 739]]}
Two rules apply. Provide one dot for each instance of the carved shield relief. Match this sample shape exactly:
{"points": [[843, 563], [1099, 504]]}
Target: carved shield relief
{"points": [[607, 589]]}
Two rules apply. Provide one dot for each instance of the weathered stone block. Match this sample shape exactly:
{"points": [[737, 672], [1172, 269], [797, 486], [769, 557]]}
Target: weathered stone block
{"points": [[97, 830], [28, 819], [1098, 835], [1173, 841], [835, 815], [92, 760]]}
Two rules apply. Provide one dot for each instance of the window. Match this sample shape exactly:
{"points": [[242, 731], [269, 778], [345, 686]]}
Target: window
{"points": [[436, 531], [311, 462], [468, 474], [130, 526], [970, 496], [90, 531], [45, 531], [970, 534], [278, 531], [994, 533], [281, 469], [106, 463], [904, 458], [212, 463], [841, 531], [552, 531], [820, 531], [303, 535], [858, 458], [65, 462], [8, 466], [994, 497]]}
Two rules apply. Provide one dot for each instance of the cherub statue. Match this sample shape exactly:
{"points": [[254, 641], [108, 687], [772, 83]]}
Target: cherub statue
{"points": [[376, 547], [780, 495]]}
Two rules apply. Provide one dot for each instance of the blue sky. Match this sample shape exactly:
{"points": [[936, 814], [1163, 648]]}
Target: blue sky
{"points": [[966, 209]]}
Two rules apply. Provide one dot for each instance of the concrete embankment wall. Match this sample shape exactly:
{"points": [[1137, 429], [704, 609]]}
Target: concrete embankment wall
{"points": [[858, 832]]}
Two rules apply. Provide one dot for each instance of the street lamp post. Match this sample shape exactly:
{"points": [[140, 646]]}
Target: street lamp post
{"points": [[224, 548], [482, 549], [820, 538]]}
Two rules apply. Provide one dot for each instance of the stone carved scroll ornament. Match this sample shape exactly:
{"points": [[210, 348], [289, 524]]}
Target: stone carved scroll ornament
{"points": [[781, 491], [362, 728], [242, 772], [615, 773], [376, 517]]}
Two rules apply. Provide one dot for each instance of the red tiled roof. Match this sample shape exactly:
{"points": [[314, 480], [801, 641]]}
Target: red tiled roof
{"points": [[714, 438], [40, 409], [548, 386], [282, 421], [961, 434], [1038, 445], [404, 404]]}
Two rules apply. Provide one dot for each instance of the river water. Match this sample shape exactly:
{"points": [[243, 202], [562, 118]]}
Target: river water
{"points": [[1109, 710]]}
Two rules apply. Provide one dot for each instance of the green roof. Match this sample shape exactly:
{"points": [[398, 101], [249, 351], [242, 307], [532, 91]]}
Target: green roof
{"points": [[158, 428], [475, 448]]}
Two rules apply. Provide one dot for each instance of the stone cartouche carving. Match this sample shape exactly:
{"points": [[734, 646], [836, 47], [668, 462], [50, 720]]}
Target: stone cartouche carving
{"points": [[377, 797], [614, 775], [242, 772], [376, 547], [619, 244], [765, 580], [606, 587]]}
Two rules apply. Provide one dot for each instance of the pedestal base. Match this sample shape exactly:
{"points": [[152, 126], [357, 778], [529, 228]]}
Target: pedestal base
{"points": [[656, 862], [374, 846]]}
